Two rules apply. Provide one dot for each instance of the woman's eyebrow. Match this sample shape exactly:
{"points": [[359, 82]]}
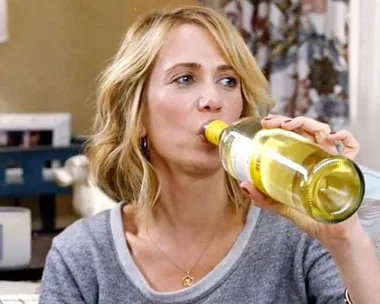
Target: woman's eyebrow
{"points": [[192, 65]]}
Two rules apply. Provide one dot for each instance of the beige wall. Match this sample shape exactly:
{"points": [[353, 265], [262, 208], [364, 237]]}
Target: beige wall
{"points": [[56, 50]]}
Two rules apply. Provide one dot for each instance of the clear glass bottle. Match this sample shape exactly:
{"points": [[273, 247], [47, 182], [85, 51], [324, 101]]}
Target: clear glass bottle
{"points": [[289, 168]]}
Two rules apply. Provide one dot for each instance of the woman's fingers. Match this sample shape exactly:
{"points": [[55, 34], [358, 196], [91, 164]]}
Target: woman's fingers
{"points": [[262, 201], [315, 129], [309, 128], [252, 192], [350, 146], [278, 121], [312, 128]]}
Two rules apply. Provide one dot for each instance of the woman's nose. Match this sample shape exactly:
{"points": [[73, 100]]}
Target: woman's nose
{"points": [[210, 101]]}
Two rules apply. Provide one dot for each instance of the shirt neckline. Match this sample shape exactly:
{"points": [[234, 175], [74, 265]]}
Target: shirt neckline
{"points": [[134, 275]]}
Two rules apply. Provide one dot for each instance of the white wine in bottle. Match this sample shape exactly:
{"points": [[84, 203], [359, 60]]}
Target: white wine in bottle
{"points": [[289, 168]]}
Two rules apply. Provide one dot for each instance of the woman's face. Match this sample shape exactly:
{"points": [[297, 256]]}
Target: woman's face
{"points": [[190, 84]]}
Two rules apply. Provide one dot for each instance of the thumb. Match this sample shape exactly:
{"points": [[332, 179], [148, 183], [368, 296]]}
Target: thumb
{"points": [[260, 199], [265, 202]]}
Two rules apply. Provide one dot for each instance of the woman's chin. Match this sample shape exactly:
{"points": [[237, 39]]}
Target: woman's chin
{"points": [[200, 170], [206, 163]]}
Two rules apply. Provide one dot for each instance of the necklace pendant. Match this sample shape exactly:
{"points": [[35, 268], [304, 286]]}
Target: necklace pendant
{"points": [[187, 280]]}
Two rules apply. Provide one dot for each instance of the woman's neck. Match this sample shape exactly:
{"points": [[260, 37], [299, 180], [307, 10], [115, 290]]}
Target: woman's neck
{"points": [[191, 208]]}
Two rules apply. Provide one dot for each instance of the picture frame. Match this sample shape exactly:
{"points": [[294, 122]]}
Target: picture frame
{"points": [[35, 129]]}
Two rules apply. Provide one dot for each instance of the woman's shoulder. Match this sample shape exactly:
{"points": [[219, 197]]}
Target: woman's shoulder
{"points": [[77, 259], [84, 233]]}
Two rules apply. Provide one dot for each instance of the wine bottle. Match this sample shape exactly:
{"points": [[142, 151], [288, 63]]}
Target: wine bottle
{"points": [[289, 168]]}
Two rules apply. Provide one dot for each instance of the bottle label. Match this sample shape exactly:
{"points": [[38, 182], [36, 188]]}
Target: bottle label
{"points": [[241, 154]]}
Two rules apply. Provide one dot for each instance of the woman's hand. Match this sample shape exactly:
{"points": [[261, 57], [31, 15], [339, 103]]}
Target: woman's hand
{"points": [[331, 235]]}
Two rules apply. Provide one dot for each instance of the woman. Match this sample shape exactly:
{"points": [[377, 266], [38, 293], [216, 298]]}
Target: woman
{"points": [[186, 232]]}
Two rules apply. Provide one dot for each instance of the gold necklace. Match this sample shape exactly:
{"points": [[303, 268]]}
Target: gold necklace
{"points": [[187, 279]]}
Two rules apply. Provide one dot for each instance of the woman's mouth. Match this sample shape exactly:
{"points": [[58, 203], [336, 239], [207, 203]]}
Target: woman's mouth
{"points": [[203, 137]]}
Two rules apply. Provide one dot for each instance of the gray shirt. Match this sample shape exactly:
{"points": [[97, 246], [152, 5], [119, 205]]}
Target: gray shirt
{"points": [[272, 261]]}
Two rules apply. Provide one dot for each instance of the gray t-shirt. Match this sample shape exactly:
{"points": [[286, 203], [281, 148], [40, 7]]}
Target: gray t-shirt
{"points": [[272, 261]]}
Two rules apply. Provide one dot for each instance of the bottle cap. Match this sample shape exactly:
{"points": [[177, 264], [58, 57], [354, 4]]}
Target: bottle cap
{"points": [[213, 129]]}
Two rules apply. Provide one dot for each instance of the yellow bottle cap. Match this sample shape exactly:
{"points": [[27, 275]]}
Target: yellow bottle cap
{"points": [[213, 131]]}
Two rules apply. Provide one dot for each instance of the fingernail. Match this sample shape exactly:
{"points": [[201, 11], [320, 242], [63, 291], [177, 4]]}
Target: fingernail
{"points": [[332, 133], [267, 118], [288, 120]]}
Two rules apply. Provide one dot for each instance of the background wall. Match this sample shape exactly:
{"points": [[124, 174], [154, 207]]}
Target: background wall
{"points": [[57, 48], [365, 79], [55, 52]]}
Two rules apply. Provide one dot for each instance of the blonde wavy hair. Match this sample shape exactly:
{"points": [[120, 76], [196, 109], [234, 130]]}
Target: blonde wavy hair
{"points": [[118, 164]]}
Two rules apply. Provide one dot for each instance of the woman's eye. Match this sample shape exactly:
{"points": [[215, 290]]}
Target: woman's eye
{"points": [[230, 82], [185, 79]]}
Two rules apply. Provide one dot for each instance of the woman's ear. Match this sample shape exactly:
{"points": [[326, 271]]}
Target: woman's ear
{"points": [[142, 132], [142, 128]]}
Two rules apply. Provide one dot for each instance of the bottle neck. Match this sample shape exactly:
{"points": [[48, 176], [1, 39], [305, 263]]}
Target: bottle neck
{"points": [[214, 130]]}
